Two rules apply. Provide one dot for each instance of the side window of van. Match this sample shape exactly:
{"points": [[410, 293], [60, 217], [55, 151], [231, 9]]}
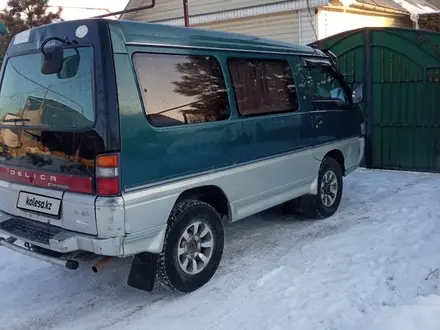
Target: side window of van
{"points": [[181, 89], [263, 86], [325, 86]]}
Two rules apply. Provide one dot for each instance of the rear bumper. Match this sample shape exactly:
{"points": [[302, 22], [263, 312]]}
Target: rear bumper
{"points": [[57, 239], [67, 242]]}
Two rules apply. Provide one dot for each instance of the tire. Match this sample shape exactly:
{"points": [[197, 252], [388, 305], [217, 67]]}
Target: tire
{"points": [[314, 205], [184, 218]]}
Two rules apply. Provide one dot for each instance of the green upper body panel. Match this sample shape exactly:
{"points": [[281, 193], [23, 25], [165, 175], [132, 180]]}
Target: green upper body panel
{"points": [[150, 154]]}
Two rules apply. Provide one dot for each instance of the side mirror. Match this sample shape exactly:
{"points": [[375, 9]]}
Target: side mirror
{"points": [[52, 61], [358, 93], [69, 67]]}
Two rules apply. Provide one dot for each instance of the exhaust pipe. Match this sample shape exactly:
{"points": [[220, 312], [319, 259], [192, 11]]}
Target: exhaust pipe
{"points": [[100, 264]]}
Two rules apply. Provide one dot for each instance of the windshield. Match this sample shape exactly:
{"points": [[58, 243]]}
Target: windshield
{"points": [[30, 99]]}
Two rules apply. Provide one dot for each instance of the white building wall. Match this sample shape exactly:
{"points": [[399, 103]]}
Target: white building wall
{"points": [[172, 9], [302, 21], [308, 25], [279, 26], [332, 21]]}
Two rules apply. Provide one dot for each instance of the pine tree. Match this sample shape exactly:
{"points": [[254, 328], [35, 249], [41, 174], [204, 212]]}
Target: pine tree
{"points": [[21, 15]]}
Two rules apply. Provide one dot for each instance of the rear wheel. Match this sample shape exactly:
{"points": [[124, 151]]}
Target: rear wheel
{"points": [[193, 247], [330, 186]]}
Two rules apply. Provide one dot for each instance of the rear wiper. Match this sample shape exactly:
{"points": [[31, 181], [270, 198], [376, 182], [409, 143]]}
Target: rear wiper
{"points": [[34, 136], [15, 120]]}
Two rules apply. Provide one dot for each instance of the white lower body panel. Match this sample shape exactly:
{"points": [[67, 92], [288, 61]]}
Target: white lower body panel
{"points": [[137, 221]]}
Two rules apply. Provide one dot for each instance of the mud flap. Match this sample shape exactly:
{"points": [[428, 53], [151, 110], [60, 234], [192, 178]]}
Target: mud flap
{"points": [[143, 271]]}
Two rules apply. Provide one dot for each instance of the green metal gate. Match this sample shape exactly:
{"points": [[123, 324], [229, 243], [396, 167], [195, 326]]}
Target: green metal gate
{"points": [[400, 69]]}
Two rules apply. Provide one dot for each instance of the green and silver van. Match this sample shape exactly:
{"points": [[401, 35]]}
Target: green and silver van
{"points": [[125, 139]]}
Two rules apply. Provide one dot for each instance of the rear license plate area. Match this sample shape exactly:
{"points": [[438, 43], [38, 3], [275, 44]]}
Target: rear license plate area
{"points": [[39, 204]]}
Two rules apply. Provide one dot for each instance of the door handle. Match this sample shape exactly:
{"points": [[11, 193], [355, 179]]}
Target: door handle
{"points": [[318, 121]]}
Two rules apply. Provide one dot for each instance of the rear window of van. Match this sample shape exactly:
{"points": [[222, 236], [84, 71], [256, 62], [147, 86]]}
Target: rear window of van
{"points": [[31, 99]]}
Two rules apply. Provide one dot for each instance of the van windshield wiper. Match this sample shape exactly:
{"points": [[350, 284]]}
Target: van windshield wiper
{"points": [[15, 120]]}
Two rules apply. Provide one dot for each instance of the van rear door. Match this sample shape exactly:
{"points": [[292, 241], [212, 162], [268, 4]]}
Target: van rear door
{"points": [[52, 128]]}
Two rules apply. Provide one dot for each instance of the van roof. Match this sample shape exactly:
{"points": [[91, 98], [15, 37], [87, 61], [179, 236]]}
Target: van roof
{"points": [[160, 34]]}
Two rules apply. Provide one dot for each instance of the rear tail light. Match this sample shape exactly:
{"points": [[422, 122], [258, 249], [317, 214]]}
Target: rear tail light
{"points": [[107, 175]]}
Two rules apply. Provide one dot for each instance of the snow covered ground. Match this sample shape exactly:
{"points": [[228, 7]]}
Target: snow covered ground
{"points": [[373, 266]]}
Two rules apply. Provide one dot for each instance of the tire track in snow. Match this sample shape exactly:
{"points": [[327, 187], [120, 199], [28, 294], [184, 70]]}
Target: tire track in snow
{"points": [[311, 233]]}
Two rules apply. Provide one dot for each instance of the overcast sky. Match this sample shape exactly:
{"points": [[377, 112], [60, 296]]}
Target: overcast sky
{"points": [[79, 11]]}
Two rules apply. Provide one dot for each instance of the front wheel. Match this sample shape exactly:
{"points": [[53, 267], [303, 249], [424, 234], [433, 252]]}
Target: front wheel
{"points": [[193, 247], [330, 186]]}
